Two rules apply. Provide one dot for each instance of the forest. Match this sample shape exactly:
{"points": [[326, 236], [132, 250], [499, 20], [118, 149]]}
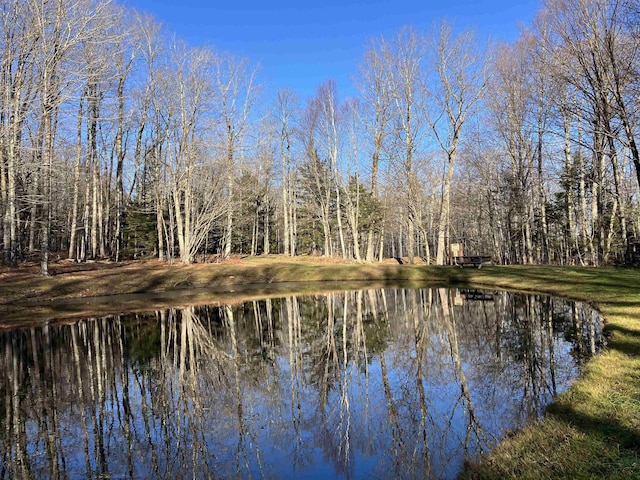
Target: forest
{"points": [[120, 141]]}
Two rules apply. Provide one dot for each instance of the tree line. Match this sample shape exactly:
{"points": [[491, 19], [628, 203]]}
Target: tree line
{"points": [[119, 140]]}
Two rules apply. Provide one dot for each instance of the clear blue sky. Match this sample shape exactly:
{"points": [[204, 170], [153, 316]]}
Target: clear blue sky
{"points": [[301, 44]]}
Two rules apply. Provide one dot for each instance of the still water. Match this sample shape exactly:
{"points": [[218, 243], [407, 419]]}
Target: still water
{"points": [[395, 383]]}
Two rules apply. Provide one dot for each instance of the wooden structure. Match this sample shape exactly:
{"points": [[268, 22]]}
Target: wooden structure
{"points": [[471, 260], [455, 250], [477, 295]]}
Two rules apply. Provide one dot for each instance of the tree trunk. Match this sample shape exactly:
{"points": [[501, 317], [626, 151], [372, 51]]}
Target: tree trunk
{"points": [[4, 203], [48, 188], [339, 217], [381, 246], [619, 194], [159, 225], [178, 196], [443, 223], [76, 185], [352, 215], [254, 232], [9, 224], [267, 234], [375, 162], [33, 213], [570, 170], [444, 213], [544, 228], [120, 153], [230, 187], [101, 221], [93, 157], [285, 210], [294, 223]]}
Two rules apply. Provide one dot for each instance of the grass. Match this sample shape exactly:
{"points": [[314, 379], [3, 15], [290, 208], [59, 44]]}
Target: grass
{"points": [[590, 431], [76, 290]]}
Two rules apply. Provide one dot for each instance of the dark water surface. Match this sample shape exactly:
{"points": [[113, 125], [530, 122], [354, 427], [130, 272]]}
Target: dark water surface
{"points": [[396, 383]]}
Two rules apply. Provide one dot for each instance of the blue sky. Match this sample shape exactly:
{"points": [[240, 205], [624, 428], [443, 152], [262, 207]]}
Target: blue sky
{"points": [[301, 44]]}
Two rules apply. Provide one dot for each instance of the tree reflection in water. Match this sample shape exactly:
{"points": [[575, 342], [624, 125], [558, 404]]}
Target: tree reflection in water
{"points": [[400, 382]]}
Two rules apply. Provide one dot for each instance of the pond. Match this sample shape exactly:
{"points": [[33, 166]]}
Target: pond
{"points": [[391, 383]]}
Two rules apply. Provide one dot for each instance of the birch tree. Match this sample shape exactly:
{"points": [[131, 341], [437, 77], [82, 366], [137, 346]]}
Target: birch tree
{"points": [[235, 97], [60, 26], [126, 52], [19, 46], [316, 177], [404, 59], [591, 51], [329, 139], [377, 100], [458, 83], [195, 176], [286, 105]]}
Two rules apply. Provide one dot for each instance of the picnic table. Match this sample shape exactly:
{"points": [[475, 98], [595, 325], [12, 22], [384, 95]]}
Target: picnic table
{"points": [[471, 260]]}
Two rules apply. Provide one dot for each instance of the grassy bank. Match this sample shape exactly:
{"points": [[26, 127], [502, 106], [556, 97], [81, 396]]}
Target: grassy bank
{"points": [[591, 431], [80, 289]]}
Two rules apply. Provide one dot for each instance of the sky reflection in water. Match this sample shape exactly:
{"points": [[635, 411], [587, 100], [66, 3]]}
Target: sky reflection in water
{"points": [[396, 383]]}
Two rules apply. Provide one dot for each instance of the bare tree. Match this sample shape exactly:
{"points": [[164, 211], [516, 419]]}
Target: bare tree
{"points": [[458, 84], [512, 102], [235, 96], [377, 99], [404, 59], [316, 173], [126, 52], [60, 26], [152, 128], [329, 133], [590, 48], [285, 109], [19, 45], [195, 175], [352, 187]]}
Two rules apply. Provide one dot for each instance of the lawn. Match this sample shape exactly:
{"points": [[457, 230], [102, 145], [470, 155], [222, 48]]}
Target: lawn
{"points": [[593, 430]]}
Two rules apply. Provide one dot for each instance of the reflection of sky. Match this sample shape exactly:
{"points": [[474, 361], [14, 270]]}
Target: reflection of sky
{"points": [[208, 420]]}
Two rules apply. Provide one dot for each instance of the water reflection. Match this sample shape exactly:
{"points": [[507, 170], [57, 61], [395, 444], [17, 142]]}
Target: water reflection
{"points": [[377, 383]]}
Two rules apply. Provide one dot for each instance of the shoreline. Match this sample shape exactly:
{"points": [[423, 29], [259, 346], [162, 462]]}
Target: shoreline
{"points": [[590, 431]]}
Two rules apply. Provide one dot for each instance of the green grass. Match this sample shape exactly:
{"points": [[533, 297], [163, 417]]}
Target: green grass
{"points": [[590, 431]]}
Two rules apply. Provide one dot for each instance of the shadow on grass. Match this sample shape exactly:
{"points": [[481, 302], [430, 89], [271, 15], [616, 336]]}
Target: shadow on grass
{"points": [[625, 331], [607, 430], [628, 281], [624, 340]]}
